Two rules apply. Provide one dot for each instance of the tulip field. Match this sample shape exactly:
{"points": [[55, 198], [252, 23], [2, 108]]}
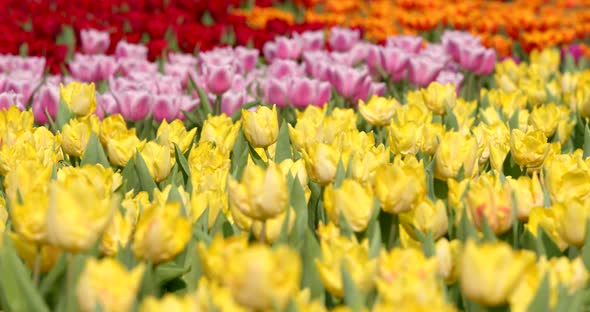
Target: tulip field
{"points": [[295, 155]]}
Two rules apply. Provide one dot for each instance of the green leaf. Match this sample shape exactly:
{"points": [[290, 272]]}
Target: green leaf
{"points": [[53, 276], [310, 252], [238, 113], [353, 297], [513, 122], [146, 182], [284, 234], [298, 202], [181, 160], [427, 241], [283, 149], [15, 283], [203, 99], [63, 115], [174, 196], [340, 174], [450, 120], [549, 245], [345, 228], [586, 248], [586, 141], [256, 158], [94, 153], [374, 231], [488, 234], [540, 302], [569, 63], [466, 229], [192, 260], [169, 271], [130, 178]]}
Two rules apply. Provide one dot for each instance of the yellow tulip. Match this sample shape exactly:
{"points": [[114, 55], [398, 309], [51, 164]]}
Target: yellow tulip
{"points": [[161, 197], [528, 192], [75, 136], [157, 160], [353, 141], [355, 258], [488, 198], [261, 194], [103, 180], [565, 125], [220, 130], [365, 164], [490, 272], [583, 101], [437, 97], [432, 134], [121, 146], [170, 302], [567, 178], [303, 131], [162, 233], [3, 218], [321, 161], [117, 233], [216, 258], [573, 218], [378, 111], [207, 162], [77, 216], [216, 201], [272, 227], [110, 126], [261, 128], [175, 133], [456, 150], [296, 169], [353, 200], [406, 274], [400, 186], [528, 149], [447, 255], [79, 97], [426, 217], [340, 120], [456, 197], [96, 285], [545, 118], [548, 219], [133, 204], [28, 251], [260, 277], [405, 138], [464, 112]]}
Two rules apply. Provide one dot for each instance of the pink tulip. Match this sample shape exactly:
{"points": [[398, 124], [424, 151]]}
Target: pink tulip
{"points": [[248, 58], [180, 71], [167, 84], [410, 44], [134, 105], [131, 65], [8, 99], [22, 83], [89, 68], [218, 78], [350, 83], [317, 64], [232, 101], [275, 91], [394, 61], [133, 51], [94, 41], [423, 70], [453, 41], [47, 99], [217, 56], [32, 64], [478, 59], [454, 78], [284, 68], [106, 104], [311, 40], [164, 108], [182, 59], [304, 91], [343, 58], [343, 39]]}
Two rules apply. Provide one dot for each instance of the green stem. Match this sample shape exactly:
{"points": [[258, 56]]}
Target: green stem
{"points": [[69, 279], [37, 266], [268, 158], [394, 231], [217, 109]]}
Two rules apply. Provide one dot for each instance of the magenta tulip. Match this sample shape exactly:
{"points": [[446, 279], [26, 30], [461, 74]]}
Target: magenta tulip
{"points": [[134, 105], [343, 39]]}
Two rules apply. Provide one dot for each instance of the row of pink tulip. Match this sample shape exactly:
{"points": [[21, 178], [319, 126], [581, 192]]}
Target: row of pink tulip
{"points": [[296, 71]]}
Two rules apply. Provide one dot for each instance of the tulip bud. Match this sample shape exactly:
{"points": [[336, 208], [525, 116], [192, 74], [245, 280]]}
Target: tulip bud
{"points": [[548, 219], [404, 138], [378, 111], [353, 200], [122, 146], [261, 194], [161, 233], [261, 128], [272, 227], [76, 134], [573, 218], [545, 118], [117, 233], [157, 160], [221, 131], [28, 251], [79, 97], [448, 254], [96, 287], [528, 192], [321, 161], [170, 302]]}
